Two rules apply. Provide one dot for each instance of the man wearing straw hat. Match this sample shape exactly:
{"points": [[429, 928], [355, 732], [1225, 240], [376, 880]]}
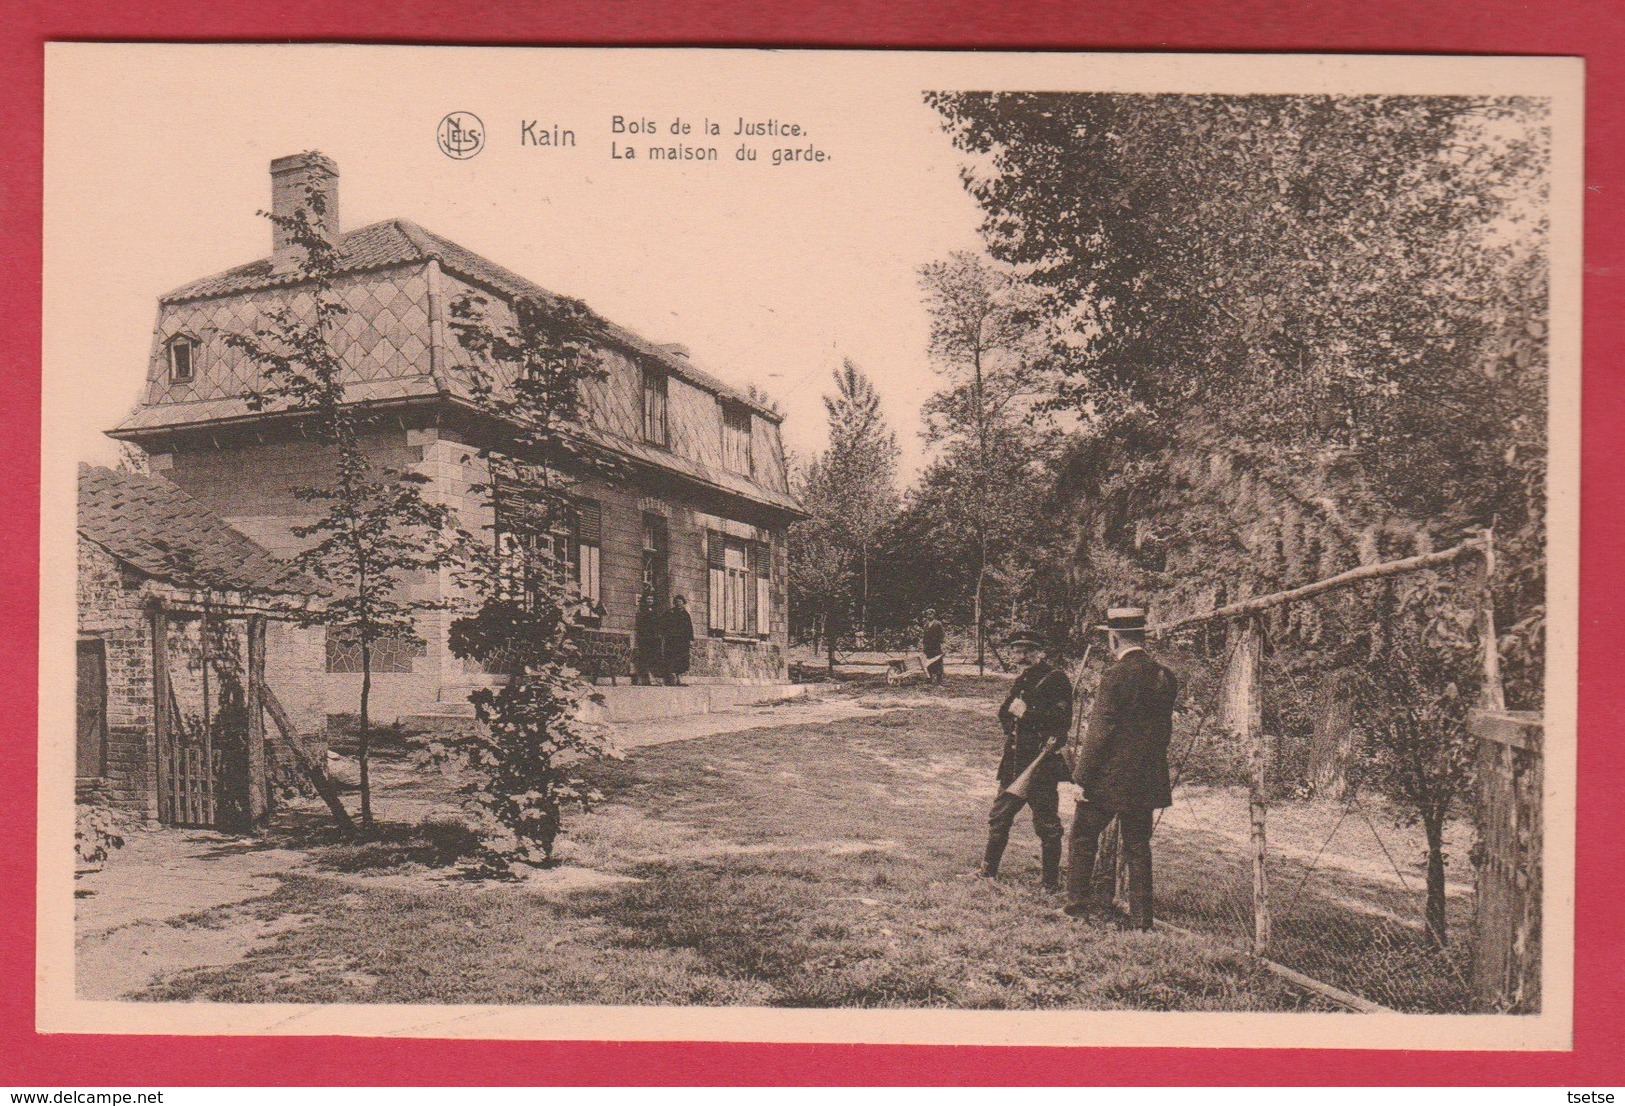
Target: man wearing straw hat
{"points": [[1122, 767], [1036, 716]]}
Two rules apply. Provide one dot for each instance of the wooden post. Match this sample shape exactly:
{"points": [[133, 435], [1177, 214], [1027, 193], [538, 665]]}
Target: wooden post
{"points": [[256, 722], [1494, 695], [1244, 714], [158, 623]]}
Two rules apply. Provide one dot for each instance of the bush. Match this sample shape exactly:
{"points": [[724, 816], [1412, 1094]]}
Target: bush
{"points": [[97, 831]]}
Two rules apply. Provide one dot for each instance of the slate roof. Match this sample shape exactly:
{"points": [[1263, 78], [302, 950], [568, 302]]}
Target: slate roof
{"points": [[401, 242], [153, 526]]}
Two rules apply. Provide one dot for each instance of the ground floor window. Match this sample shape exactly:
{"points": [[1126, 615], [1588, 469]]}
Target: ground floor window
{"points": [[740, 578]]}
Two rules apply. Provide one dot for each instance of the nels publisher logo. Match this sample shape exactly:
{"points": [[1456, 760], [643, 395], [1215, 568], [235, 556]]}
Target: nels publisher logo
{"points": [[461, 135]]}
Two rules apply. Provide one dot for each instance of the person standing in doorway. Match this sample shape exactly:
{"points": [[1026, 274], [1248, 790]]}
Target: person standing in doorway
{"points": [[1122, 768], [677, 637], [646, 647], [933, 643]]}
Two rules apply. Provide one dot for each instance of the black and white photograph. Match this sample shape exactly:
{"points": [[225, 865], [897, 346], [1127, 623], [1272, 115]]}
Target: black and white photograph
{"points": [[809, 545]]}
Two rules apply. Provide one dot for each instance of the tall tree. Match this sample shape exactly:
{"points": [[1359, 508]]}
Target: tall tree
{"points": [[851, 492], [982, 341], [375, 532], [1301, 333]]}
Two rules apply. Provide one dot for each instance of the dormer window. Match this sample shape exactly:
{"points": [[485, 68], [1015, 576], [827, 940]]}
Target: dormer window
{"points": [[736, 454], [182, 359], [654, 407]]}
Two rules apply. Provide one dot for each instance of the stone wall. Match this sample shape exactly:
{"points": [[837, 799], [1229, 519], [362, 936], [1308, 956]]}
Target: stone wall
{"points": [[110, 609]]}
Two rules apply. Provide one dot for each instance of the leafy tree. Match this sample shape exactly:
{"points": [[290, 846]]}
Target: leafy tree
{"points": [[1346, 290], [1411, 701], [851, 492], [529, 362], [1299, 333], [983, 341], [375, 532]]}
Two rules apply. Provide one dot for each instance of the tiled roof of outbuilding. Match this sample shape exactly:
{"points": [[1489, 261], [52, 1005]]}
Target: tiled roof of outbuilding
{"points": [[155, 527], [402, 242]]}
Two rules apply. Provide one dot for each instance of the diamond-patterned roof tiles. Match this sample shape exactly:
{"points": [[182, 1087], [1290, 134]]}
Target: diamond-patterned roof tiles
{"points": [[401, 242], [153, 526]]}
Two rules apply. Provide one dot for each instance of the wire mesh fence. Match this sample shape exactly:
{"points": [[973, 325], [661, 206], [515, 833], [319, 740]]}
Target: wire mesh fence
{"points": [[1273, 846]]}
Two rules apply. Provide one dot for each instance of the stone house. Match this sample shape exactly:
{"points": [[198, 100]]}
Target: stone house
{"points": [[181, 630], [702, 510]]}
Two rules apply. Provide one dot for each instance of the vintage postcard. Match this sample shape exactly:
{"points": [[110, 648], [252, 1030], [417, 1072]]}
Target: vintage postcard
{"points": [[750, 545]]}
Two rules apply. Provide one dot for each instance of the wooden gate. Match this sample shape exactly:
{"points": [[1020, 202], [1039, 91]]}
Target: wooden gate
{"points": [[187, 767], [1506, 956]]}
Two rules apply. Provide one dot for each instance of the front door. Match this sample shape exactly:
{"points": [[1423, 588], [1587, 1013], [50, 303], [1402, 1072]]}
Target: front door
{"points": [[91, 761]]}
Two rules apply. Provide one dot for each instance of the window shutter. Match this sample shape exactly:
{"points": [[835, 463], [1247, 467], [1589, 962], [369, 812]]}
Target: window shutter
{"points": [[716, 557], [763, 565], [590, 522]]}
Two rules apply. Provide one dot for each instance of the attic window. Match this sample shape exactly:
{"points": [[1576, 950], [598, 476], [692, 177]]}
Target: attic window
{"points": [[654, 407], [736, 437], [182, 360]]}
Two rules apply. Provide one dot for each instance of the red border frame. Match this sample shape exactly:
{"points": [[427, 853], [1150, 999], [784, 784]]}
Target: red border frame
{"points": [[1593, 28]]}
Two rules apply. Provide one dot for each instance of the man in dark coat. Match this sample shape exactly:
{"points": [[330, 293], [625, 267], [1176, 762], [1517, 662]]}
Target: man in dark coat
{"points": [[677, 635], [1122, 767], [646, 647], [933, 640], [1036, 716]]}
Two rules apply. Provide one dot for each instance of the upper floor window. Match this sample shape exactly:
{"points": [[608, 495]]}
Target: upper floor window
{"points": [[736, 456], [182, 359], [654, 407]]}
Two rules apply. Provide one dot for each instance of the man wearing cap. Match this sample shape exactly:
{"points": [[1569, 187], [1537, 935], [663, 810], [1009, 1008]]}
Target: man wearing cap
{"points": [[933, 640], [1036, 716], [1122, 767]]}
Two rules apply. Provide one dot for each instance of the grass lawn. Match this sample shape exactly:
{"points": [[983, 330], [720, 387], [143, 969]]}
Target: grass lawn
{"points": [[811, 866]]}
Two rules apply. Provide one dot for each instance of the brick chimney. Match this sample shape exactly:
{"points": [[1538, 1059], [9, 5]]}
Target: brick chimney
{"points": [[293, 179]]}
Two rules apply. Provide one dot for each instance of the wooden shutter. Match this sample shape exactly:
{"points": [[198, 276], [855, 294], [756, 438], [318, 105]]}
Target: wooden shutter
{"points": [[762, 563], [716, 560]]}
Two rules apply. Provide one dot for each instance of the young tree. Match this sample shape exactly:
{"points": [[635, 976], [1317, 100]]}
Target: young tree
{"points": [[820, 569], [530, 359], [375, 532], [1411, 702], [851, 492]]}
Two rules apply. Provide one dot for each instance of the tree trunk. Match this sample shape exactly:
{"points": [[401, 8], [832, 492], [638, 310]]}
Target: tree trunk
{"points": [[362, 737], [1332, 743], [1433, 826], [981, 638], [863, 601]]}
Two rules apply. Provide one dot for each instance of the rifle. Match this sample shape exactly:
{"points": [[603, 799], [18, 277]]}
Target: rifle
{"points": [[1022, 784]]}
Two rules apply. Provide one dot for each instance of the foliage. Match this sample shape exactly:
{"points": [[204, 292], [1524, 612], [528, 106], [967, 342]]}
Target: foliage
{"points": [[981, 493], [530, 360], [851, 492], [97, 831], [375, 531], [1299, 331], [1411, 701]]}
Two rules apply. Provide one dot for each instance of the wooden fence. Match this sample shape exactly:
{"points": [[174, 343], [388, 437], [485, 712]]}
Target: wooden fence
{"points": [[1511, 775]]}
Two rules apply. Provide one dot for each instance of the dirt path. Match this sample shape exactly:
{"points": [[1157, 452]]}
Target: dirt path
{"points": [[130, 918]]}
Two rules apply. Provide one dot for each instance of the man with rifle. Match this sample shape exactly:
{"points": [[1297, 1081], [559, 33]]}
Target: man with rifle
{"points": [[1036, 716], [1122, 767]]}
